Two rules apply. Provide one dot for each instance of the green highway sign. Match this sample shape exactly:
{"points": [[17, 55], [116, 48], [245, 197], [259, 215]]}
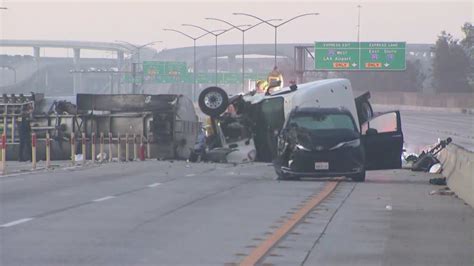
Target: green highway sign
{"points": [[164, 71], [171, 72], [382, 56], [344, 56], [336, 55]]}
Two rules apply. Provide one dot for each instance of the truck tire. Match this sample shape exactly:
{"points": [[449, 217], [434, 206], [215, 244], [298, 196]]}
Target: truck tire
{"points": [[213, 101]]}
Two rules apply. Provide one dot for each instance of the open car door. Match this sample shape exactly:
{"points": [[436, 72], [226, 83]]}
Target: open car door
{"points": [[382, 138]]}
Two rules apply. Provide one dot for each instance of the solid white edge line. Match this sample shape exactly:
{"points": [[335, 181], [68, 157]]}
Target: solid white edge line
{"points": [[154, 185], [104, 198], [16, 222]]}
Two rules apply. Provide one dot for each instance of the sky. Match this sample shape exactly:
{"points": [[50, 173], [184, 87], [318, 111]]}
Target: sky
{"points": [[143, 21]]}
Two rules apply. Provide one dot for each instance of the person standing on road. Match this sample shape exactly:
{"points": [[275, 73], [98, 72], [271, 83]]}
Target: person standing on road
{"points": [[25, 139]]}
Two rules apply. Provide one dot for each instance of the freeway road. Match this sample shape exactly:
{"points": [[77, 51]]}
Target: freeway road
{"points": [[422, 128], [174, 213]]}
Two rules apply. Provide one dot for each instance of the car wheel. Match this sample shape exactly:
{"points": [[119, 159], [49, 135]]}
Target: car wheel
{"points": [[359, 177], [213, 101], [283, 176]]}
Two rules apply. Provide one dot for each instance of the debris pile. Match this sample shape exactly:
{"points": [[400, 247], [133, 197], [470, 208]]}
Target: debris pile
{"points": [[427, 161]]}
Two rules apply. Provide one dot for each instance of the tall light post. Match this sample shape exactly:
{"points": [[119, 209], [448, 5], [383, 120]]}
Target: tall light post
{"points": [[194, 54], [243, 41], [216, 35], [358, 24], [137, 49], [276, 26]]}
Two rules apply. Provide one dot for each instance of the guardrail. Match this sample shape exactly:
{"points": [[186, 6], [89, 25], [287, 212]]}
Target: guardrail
{"points": [[458, 168], [134, 153]]}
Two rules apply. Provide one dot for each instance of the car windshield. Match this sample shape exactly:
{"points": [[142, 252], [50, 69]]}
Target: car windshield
{"points": [[318, 121]]}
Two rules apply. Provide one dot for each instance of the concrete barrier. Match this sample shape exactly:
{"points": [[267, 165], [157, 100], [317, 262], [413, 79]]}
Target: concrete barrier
{"points": [[458, 168]]}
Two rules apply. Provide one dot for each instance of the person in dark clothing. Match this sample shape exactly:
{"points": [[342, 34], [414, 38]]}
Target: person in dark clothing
{"points": [[25, 139]]}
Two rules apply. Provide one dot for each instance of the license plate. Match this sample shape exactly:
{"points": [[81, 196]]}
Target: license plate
{"points": [[321, 165]]}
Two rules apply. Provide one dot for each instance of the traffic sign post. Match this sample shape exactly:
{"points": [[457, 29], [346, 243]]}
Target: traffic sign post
{"points": [[346, 56]]}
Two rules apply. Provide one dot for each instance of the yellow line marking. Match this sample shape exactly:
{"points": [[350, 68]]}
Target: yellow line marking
{"points": [[261, 250]]}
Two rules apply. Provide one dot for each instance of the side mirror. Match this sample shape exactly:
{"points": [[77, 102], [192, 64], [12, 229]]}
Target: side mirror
{"points": [[371, 131]]}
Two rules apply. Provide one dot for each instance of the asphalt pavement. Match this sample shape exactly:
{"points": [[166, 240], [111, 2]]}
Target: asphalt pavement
{"points": [[175, 213], [178, 213]]}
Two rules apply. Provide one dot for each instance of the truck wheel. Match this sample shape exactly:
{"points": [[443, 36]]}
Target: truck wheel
{"points": [[213, 101]]}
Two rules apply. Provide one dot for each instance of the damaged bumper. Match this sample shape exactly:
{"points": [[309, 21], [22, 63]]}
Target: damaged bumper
{"points": [[344, 162]]}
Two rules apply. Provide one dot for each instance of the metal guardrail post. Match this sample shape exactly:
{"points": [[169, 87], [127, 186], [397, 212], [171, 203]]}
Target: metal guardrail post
{"points": [[101, 147], [135, 147], [110, 147], [33, 151], [119, 144], [13, 129], [148, 148], [93, 147], [48, 151], [73, 149], [3, 168], [142, 149], [84, 148], [127, 157]]}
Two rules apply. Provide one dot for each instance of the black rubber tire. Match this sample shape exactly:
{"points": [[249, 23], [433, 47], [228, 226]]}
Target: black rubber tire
{"points": [[284, 177], [359, 177], [213, 101], [193, 157]]}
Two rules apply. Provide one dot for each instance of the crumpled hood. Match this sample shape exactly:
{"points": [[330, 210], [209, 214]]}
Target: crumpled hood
{"points": [[323, 139]]}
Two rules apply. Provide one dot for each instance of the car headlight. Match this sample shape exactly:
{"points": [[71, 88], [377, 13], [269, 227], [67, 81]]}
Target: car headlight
{"points": [[352, 143], [301, 147]]}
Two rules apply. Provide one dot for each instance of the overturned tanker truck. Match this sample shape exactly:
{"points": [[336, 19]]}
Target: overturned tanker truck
{"points": [[167, 123]]}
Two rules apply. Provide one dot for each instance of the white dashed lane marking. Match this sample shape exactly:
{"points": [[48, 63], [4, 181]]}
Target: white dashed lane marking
{"points": [[154, 185], [191, 175], [103, 199], [16, 222]]}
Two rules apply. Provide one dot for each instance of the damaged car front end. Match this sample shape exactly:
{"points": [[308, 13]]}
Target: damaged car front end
{"points": [[317, 142]]}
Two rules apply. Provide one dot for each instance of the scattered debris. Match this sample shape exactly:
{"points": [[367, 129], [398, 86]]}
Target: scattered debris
{"points": [[101, 156], [78, 157], [427, 159], [438, 181], [388, 207], [436, 168], [443, 191]]}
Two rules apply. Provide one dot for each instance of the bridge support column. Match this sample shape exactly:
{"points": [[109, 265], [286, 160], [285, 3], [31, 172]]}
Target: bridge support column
{"points": [[76, 75], [300, 63], [37, 55], [120, 59]]}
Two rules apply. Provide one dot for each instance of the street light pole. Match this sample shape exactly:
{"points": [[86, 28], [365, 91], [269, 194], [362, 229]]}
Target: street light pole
{"points": [[358, 24], [216, 35], [243, 42], [194, 55], [276, 26], [137, 48]]}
